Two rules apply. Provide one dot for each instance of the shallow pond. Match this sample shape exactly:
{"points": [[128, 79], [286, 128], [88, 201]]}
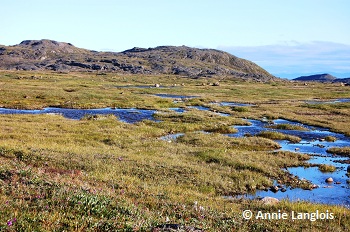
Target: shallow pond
{"points": [[208, 109], [337, 192], [327, 193], [182, 110], [171, 137], [340, 100], [178, 110], [126, 115], [234, 104]]}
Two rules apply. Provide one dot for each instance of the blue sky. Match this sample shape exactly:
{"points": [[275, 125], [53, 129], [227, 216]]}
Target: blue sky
{"points": [[287, 38]]}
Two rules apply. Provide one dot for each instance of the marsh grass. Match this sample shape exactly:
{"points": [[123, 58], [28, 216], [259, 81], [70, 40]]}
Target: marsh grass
{"points": [[344, 151], [240, 109], [279, 136], [194, 120], [328, 107], [327, 168], [330, 138], [100, 174]]}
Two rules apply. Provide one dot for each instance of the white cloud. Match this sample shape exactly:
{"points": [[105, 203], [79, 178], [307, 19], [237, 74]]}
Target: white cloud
{"points": [[293, 59]]}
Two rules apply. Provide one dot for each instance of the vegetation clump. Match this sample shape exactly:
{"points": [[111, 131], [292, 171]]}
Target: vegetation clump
{"points": [[240, 109], [222, 129], [344, 151], [279, 136], [327, 168], [194, 120], [330, 138]]}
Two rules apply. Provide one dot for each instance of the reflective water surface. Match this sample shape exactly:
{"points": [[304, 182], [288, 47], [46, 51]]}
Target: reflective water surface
{"points": [[126, 115], [313, 143]]}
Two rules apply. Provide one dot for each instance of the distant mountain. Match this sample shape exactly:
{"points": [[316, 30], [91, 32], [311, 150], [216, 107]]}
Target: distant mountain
{"points": [[318, 77], [322, 78], [343, 80], [184, 61]]}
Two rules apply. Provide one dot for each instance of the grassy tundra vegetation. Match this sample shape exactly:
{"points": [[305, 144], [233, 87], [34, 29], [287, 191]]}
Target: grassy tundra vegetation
{"points": [[100, 174]]}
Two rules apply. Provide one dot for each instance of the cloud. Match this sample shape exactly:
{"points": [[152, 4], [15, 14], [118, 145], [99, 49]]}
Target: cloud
{"points": [[294, 59]]}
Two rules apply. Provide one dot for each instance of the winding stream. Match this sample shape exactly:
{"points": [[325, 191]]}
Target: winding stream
{"points": [[341, 100], [312, 143], [125, 115]]}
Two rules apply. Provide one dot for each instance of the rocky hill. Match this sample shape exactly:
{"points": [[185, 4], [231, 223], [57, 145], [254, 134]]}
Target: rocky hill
{"points": [[185, 61], [322, 78]]}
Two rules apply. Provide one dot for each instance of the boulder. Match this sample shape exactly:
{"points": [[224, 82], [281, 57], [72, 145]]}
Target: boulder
{"points": [[348, 169], [329, 180], [274, 189], [320, 145], [269, 201]]}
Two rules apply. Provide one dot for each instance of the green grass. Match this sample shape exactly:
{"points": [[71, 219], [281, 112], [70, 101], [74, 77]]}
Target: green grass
{"points": [[100, 174]]}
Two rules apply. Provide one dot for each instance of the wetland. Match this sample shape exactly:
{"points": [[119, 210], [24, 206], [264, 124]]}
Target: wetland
{"points": [[113, 152]]}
